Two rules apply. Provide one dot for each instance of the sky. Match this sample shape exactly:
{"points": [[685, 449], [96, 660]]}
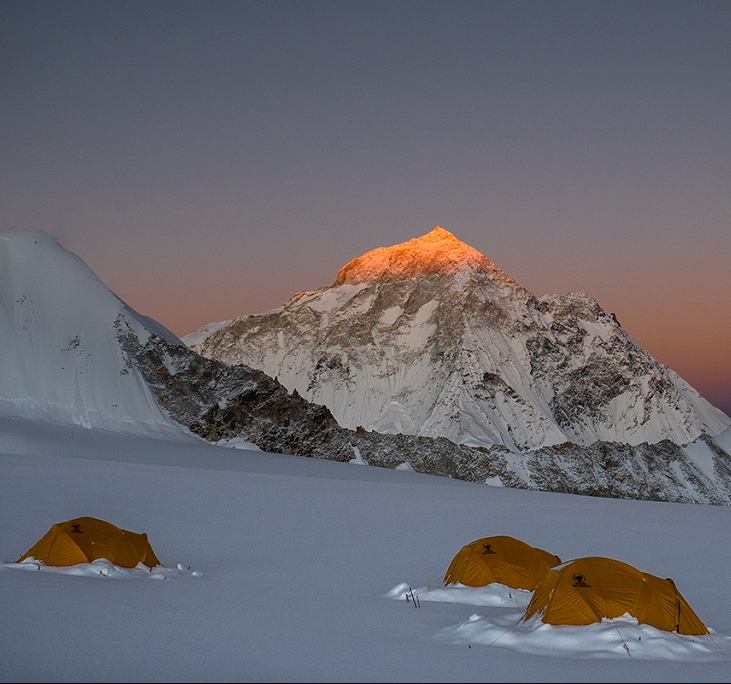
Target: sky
{"points": [[279, 568], [209, 160]]}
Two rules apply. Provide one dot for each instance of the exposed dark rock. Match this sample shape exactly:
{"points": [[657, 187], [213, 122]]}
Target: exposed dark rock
{"points": [[220, 402]]}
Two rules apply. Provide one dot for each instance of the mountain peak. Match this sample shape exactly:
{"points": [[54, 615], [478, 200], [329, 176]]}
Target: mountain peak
{"points": [[62, 359], [438, 251]]}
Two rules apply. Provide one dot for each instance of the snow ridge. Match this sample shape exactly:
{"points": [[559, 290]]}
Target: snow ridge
{"points": [[60, 359]]}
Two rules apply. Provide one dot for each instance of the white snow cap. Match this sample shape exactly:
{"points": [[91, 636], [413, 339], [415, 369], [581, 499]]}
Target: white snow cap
{"points": [[60, 358]]}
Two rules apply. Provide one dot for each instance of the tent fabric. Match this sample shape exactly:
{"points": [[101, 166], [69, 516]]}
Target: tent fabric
{"points": [[586, 590], [500, 559], [83, 540]]}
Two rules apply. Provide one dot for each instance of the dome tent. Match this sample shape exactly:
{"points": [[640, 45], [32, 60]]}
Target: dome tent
{"points": [[586, 590], [83, 540], [500, 559]]}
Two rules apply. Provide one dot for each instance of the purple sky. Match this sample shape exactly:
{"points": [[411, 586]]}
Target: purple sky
{"points": [[208, 160]]}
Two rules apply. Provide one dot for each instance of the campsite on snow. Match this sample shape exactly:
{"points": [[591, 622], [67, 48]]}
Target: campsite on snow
{"points": [[302, 569]]}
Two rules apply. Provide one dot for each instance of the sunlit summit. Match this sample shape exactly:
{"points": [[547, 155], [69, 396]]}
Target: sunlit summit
{"points": [[437, 252]]}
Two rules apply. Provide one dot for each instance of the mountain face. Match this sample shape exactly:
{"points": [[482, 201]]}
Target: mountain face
{"points": [[429, 338], [224, 404], [60, 358]]}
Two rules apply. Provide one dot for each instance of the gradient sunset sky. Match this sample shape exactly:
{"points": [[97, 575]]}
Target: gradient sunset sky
{"points": [[210, 159]]}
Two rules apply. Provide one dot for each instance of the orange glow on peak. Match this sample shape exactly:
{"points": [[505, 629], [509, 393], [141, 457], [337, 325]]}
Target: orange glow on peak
{"points": [[436, 252]]}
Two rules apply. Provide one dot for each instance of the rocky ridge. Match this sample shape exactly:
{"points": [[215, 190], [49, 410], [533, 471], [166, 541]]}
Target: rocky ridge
{"points": [[220, 403]]}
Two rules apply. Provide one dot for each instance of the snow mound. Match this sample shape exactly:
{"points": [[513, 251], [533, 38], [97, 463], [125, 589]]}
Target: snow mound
{"points": [[503, 626], [104, 568]]}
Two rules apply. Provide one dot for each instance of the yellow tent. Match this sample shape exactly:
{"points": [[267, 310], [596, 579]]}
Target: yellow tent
{"points": [[82, 540], [586, 590], [500, 559]]}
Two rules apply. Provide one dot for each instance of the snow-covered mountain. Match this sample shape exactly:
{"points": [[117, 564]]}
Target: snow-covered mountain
{"points": [[60, 356], [430, 338]]}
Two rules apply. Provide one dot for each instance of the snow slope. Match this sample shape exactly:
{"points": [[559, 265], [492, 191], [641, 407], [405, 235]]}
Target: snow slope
{"points": [[60, 359], [279, 568]]}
